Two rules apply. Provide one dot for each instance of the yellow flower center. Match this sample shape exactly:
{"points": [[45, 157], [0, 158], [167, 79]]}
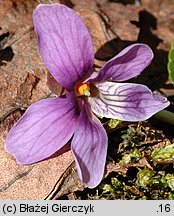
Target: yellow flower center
{"points": [[82, 89]]}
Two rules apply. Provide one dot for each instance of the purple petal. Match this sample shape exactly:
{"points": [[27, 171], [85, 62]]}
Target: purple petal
{"points": [[64, 43], [46, 126], [129, 63], [89, 146], [126, 101]]}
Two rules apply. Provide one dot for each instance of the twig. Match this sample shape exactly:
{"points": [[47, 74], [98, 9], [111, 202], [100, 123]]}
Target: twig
{"points": [[165, 116], [59, 183]]}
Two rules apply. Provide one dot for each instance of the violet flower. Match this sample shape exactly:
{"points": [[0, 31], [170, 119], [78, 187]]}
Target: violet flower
{"points": [[47, 125]]}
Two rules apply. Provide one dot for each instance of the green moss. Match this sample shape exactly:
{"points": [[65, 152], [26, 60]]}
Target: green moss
{"points": [[131, 157], [163, 153], [144, 177], [141, 174], [113, 123]]}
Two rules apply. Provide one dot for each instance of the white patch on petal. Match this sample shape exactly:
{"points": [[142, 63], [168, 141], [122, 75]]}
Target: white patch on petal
{"points": [[126, 101]]}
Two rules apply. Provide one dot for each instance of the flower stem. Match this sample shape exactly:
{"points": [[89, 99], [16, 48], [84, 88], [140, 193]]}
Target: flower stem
{"points": [[166, 116]]}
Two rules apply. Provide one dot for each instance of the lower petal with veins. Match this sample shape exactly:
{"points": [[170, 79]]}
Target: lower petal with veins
{"points": [[46, 126], [126, 101], [89, 146]]}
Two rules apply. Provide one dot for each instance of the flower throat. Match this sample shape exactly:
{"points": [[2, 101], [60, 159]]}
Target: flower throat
{"points": [[82, 89]]}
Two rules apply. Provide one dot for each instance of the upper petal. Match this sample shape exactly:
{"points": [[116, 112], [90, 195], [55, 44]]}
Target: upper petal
{"points": [[45, 127], [89, 146], [64, 43], [129, 63], [126, 101]]}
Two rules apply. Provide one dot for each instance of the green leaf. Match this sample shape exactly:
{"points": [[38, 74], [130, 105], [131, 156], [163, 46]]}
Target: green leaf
{"points": [[170, 65]]}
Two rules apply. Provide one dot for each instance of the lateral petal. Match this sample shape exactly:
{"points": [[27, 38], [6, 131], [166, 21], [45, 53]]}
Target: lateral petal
{"points": [[129, 63], [46, 126], [89, 146], [64, 43], [126, 101]]}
